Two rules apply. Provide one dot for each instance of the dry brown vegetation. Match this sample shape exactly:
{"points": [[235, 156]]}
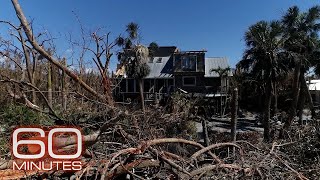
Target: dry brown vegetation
{"points": [[160, 142], [144, 151]]}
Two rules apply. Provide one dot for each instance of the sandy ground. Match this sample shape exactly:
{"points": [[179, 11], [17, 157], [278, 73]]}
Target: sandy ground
{"points": [[249, 123], [223, 125]]}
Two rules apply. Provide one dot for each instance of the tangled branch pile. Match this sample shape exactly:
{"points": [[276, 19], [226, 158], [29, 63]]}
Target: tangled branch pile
{"points": [[134, 146]]}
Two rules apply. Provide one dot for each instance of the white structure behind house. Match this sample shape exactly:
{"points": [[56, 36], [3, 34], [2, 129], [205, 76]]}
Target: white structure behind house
{"points": [[314, 88]]}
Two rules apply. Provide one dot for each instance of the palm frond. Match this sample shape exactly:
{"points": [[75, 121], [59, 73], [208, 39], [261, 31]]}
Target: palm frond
{"points": [[313, 14], [132, 30], [290, 18], [120, 41]]}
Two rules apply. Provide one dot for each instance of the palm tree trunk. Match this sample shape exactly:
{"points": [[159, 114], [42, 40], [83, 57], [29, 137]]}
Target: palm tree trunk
{"points": [[308, 96], [275, 99], [266, 118], [141, 94], [302, 99], [296, 91], [234, 110]]}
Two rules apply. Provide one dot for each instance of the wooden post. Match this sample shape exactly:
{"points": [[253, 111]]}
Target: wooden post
{"points": [[205, 132], [234, 110]]}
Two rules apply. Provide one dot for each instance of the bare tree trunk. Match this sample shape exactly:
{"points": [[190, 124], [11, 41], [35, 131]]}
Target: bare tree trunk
{"points": [[107, 89], [141, 94], [266, 118], [221, 90], [205, 132], [302, 99], [49, 84], [30, 71], [296, 90], [63, 88], [34, 93], [234, 110]]}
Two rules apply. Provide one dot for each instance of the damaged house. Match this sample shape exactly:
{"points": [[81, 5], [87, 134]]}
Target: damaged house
{"points": [[174, 70]]}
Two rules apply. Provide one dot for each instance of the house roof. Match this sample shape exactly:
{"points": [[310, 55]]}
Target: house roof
{"points": [[164, 51], [214, 63], [161, 67], [161, 64], [314, 85]]}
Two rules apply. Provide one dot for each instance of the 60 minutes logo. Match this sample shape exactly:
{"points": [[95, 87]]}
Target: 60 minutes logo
{"points": [[46, 149]]}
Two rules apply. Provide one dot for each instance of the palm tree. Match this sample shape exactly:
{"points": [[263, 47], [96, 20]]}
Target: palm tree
{"points": [[134, 56], [222, 72], [300, 32], [262, 61]]}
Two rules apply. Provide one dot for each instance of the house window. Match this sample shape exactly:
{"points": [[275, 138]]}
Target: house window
{"points": [[313, 97], [189, 81], [159, 60], [130, 85], [123, 85], [188, 63], [146, 85]]}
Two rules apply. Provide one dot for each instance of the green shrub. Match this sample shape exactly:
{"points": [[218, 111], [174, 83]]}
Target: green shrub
{"points": [[13, 115]]}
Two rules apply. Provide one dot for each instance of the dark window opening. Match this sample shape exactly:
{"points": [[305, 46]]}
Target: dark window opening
{"points": [[170, 86], [188, 63], [170, 82], [146, 85], [123, 85], [138, 85], [313, 96], [130, 85], [159, 60], [160, 83], [189, 81]]}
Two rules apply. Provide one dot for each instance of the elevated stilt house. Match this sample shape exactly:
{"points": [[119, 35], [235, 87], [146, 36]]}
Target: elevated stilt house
{"points": [[173, 70]]}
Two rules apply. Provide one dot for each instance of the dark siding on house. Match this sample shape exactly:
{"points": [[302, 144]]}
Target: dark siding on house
{"points": [[199, 63], [199, 86], [180, 73], [212, 84]]}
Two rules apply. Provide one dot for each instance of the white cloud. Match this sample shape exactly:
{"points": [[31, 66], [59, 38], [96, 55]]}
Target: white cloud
{"points": [[90, 70], [2, 59], [72, 67], [69, 51]]}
